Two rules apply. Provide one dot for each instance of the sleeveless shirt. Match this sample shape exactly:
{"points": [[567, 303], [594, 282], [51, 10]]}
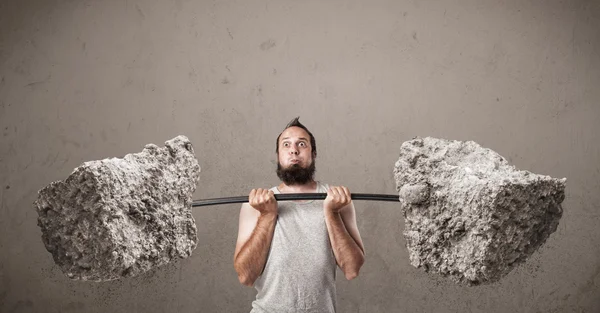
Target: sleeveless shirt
{"points": [[300, 272]]}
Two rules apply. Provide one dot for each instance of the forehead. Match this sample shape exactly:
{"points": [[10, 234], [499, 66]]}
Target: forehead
{"points": [[294, 133]]}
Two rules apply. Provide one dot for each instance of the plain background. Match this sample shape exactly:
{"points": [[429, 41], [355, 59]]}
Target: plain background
{"points": [[88, 80]]}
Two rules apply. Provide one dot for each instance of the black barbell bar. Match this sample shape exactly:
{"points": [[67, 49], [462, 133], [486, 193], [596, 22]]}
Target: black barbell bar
{"points": [[296, 196]]}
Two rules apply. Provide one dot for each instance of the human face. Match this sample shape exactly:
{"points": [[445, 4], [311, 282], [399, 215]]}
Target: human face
{"points": [[294, 148], [295, 165]]}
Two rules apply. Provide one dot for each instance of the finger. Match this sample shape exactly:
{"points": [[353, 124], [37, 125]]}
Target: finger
{"points": [[343, 195], [336, 193], [271, 196], [263, 195], [330, 195], [347, 193], [259, 195]]}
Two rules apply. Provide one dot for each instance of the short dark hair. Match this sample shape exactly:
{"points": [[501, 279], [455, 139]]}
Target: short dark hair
{"points": [[296, 122]]}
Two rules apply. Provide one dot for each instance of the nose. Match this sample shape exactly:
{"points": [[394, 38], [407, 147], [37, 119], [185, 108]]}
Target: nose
{"points": [[293, 151]]}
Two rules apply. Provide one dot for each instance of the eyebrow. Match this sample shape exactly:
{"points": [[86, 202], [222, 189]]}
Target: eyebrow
{"points": [[301, 138]]}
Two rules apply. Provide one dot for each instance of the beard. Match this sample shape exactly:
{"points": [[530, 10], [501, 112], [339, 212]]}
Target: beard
{"points": [[296, 174]]}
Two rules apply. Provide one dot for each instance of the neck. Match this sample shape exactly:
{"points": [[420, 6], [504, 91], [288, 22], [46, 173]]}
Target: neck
{"points": [[309, 187]]}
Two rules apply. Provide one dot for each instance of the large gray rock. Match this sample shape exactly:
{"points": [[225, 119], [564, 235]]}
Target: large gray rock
{"points": [[118, 217], [469, 214]]}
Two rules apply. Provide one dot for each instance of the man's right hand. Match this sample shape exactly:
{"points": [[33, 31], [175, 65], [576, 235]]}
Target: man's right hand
{"points": [[263, 200]]}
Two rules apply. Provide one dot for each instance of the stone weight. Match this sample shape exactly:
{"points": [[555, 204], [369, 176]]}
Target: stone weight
{"points": [[116, 218]]}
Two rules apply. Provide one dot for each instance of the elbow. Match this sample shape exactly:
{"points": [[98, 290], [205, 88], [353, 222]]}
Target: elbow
{"points": [[245, 280], [243, 277], [353, 271], [351, 275]]}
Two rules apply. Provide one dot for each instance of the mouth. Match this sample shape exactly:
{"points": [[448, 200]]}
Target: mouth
{"points": [[295, 161]]}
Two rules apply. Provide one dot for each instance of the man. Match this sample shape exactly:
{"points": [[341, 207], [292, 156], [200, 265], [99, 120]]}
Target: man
{"points": [[289, 250]]}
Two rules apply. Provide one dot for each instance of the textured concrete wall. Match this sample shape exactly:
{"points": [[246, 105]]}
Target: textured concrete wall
{"points": [[86, 80]]}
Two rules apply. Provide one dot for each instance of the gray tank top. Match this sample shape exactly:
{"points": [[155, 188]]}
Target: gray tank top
{"points": [[300, 272]]}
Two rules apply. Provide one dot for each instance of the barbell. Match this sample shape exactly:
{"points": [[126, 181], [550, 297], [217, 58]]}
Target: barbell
{"points": [[469, 215], [296, 196]]}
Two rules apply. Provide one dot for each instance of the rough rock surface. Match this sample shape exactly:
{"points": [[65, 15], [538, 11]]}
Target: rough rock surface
{"points": [[120, 217], [469, 215]]}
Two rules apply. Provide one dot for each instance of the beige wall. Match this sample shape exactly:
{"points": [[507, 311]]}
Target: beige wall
{"points": [[87, 80]]}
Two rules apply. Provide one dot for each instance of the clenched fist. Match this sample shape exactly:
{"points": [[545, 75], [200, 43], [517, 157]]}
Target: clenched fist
{"points": [[263, 200], [337, 198]]}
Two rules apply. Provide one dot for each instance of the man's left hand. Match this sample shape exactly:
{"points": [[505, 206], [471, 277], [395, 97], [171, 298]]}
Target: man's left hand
{"points": [[337, 198]]}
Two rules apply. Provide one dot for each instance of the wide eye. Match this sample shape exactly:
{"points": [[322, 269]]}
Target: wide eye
{"points": [[303, 144]]}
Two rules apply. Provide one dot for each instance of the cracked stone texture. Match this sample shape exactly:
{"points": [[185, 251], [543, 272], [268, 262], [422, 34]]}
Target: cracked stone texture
{"points": [[470, 215], [120, 217]]}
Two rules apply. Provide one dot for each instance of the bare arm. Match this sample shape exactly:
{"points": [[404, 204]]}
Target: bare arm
{"points": [[254, 240], [345, 240]]}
